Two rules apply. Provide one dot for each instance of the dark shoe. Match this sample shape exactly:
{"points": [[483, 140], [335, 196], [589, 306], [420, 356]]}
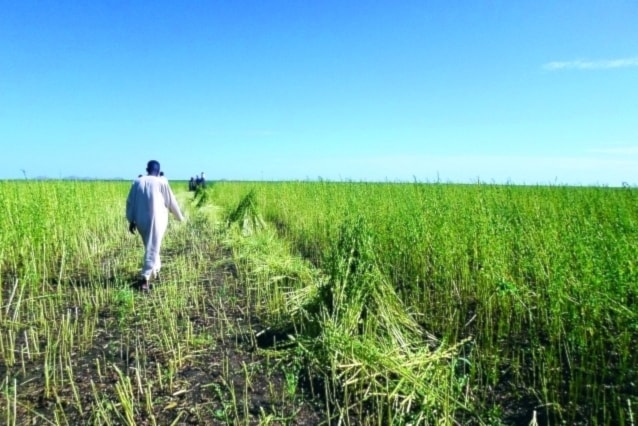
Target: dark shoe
{"points": [[144, 285]]}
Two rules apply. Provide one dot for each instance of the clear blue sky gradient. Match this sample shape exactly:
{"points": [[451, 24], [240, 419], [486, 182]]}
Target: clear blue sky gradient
{"points": [[502, 91]]}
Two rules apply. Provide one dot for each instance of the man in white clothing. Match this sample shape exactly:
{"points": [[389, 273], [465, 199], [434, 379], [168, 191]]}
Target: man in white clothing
{"points": [[147, 206]]}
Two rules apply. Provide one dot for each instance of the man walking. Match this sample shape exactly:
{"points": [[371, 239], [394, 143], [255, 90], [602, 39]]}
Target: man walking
{"points": [[147, 205]]}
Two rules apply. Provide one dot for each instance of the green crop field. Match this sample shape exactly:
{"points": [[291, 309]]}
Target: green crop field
{"points": [[322, 303]]}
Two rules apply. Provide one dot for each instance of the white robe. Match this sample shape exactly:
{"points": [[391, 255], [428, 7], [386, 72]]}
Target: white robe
{"points": [[148, 203]]}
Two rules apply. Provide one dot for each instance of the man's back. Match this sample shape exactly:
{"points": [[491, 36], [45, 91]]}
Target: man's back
{"points": [[149, 200]]}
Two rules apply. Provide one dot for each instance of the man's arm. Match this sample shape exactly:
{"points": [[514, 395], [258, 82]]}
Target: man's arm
{"points": [[171, 203], [130, 206]]}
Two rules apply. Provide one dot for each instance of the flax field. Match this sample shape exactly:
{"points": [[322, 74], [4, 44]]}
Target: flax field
{"points": [[342, 303]]}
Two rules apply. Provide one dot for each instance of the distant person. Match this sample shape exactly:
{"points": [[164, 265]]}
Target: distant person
{"points": [[162, 176], [147, 205], [202, 180], [191, 184]]}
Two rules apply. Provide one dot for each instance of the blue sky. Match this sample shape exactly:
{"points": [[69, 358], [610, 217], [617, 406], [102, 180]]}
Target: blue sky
{"points": [[501, 91]]}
